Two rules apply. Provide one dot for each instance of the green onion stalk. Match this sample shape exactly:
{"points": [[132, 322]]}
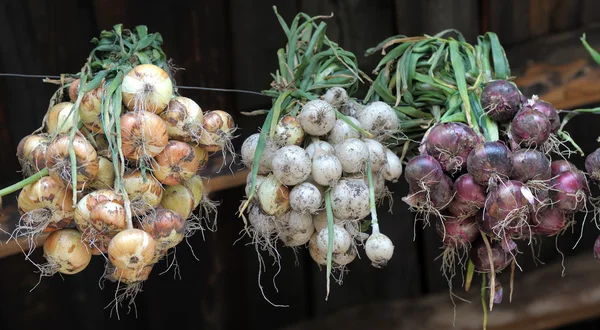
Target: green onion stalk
{"points": [[114, 54]]}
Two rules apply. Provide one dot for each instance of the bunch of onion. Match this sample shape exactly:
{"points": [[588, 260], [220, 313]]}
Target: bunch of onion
{"points": [[489, 164], [118, 160], [316, 177]]}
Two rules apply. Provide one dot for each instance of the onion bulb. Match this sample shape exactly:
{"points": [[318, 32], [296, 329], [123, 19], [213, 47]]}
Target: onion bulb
{"points": [[179, 199], [108, 217], [379, 249], [342, 240], [144, 196], [249, 149], [43, 203], [184, 119], [31, 153], [166, 227], [273, 196], [127, 276], [60, 118], [143, 134], [90, 110], [317, 117], [392, 169], [58, 160], [74, 90], [196, 185], [83, 211], [147, 87], [218, 131], [291, 165], [105, 179], [288, 132], [298, 229], [131, 249], [65, 252], [176, 163], [319, 257]]}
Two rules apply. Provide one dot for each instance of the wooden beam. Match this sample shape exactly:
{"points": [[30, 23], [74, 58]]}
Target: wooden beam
{"points": [[543, 299], [558, 68]]}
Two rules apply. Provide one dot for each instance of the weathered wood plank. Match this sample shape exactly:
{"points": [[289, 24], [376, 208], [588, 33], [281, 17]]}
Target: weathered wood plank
{"points": [[542, 300]]}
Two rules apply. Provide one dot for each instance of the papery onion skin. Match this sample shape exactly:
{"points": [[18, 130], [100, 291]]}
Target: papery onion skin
{"points": [[184, 119], [48, 194], [469, 197], [147, 87], [530, 128], [450, 144], [501, 100], [530, 164], [144, 196], [64, 249], [490, 161], [31, 153], [60, 118], [143, 134], [176, 163], [58, 160], [217, 130], [479, 256], [166, 227], [131, 249]]}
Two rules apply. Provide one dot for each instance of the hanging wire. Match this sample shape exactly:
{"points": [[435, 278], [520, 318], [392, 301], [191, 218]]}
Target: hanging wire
{"points": [[215, 89]]}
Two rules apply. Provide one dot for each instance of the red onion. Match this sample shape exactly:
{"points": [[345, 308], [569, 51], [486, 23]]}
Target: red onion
{"points": [[450, 144], [479, 255], [529, 164], [508, 207], [561, 165], [569, 191], [549, 222], [530, 128], [422, 171], [489, 161], [501, 100], [597, 249], [548, 110], [469, 197], [457, 233], [592, 165]]}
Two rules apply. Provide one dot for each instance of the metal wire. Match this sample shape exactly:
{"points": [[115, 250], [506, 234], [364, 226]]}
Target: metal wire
{"points": [[214, 89]]}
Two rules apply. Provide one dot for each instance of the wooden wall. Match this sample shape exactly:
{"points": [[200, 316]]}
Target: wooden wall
{"points": [[233, 44]]}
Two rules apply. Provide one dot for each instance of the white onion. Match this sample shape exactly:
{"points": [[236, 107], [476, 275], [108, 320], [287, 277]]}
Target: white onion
{"points": [[262, 223], [378, 118], [318, 147], [377, 155], [392, 169], [317, 117], [320, 220], [305, 198], [341, 239], [353, 155], [350, 199], [291, 165], [342, 131], [326, 170], [249, 149], [319, 257], [344, 258], [273, 196], [379, 249], [336, 96], [259, 180], [298, 229]]}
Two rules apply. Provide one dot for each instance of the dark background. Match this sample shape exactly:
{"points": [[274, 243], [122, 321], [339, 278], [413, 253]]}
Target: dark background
{"points": [[233, 44]]}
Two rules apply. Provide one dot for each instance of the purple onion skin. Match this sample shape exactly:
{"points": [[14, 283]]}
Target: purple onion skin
{"points": [[569, 191], [559, 166], [550, 112], [592, 165], [503, 201], [530, 128], [450, 144], [530, 164], [423, 170], [479, 255], [440, 195], [597, 249], [457, 233], [498, 293], [501, 100], [469, 197], [549, 222], [489, 159]]}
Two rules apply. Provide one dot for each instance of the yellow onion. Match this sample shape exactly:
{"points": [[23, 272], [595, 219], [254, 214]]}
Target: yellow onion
{"points": [[105, 179], [131, 249], [60, 118], [127, 276], [31, 153], [90, 110], [74, 90], [108, 217], [202, 155], [166, 227], [147, 87], [96, 242], [102, 147], [45, 204], [183, 117], [176, 163], [179, 199], [273, 196], [65, 252], [218, 130], [87, 203], [143, 134], [196, 185], [144, 196], [58, 160]]}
